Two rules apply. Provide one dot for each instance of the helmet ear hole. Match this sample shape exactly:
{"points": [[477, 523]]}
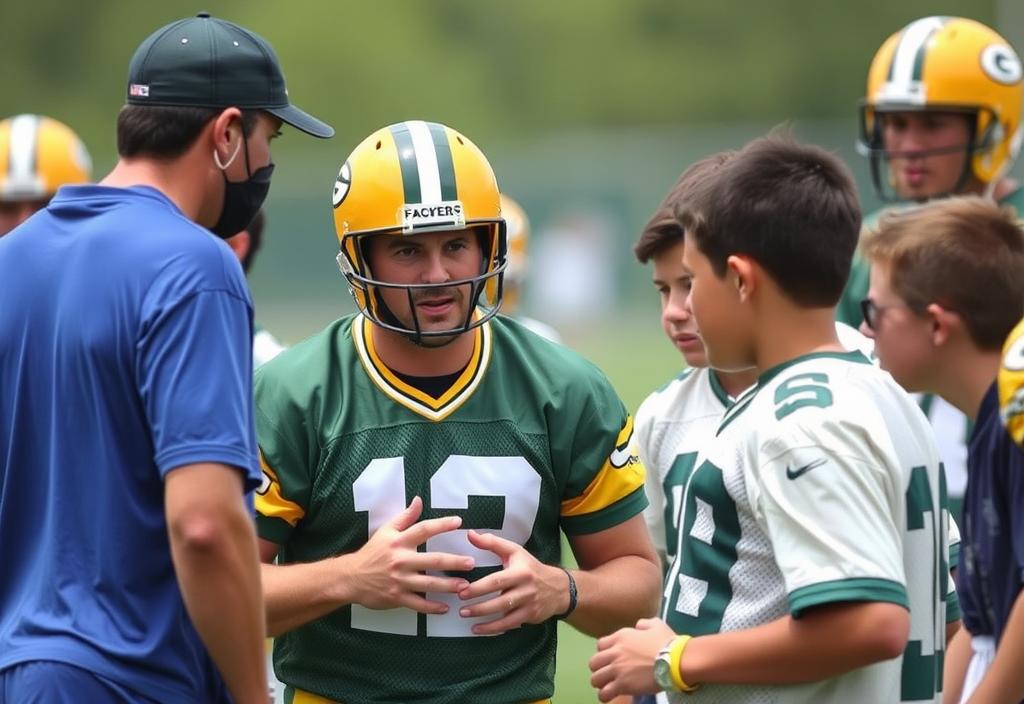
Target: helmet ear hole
{"points": [[998, 133]]}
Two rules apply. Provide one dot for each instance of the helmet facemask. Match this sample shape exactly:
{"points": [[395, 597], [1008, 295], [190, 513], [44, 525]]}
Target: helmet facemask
{"points": [[977, 146], [484, 289], [945, 64]]}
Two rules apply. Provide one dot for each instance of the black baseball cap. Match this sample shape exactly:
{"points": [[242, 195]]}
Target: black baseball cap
{"points": [[207, 62]]}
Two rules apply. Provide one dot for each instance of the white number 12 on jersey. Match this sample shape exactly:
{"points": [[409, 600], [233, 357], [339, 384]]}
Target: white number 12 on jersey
{"points": [[380, 491]]}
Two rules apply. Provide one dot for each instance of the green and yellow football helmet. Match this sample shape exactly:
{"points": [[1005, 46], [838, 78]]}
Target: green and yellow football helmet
{"points": [[517, 225], [409, 178], [948, 64], [38, 155]]}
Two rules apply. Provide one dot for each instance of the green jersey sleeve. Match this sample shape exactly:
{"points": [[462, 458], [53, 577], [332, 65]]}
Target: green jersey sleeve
{"points": [[605, 482], [287, 452]]}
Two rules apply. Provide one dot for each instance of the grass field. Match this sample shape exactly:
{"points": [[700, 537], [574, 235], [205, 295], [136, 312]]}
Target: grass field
{"points": [[636, 357]]}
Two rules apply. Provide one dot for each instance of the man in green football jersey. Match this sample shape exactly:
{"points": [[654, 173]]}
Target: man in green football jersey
{"points": [[942, 116], [422, 457]]}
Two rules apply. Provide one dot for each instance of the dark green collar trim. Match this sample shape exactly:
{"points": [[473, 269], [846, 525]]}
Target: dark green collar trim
{"points": [[718, 390], [854, 356], [739, 405]]}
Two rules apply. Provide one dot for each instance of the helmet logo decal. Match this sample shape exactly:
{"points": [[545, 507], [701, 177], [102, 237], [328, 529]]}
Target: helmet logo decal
{"points": [[1001, 64], [342, 184], [1013, 360], [418, 216]]}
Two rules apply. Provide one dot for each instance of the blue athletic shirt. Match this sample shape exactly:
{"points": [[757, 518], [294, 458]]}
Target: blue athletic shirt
{"points": [[992, 547], [125, 352]]}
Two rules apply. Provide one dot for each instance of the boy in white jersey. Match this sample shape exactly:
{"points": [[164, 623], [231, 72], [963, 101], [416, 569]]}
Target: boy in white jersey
{"points": [[810, 564], [676, 420]]}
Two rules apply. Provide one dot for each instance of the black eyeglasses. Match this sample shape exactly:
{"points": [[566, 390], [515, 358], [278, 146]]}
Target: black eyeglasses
{"points": [[871, 311]]}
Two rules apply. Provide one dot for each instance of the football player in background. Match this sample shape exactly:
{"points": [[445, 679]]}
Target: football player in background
{"points": [[38, 155], [942, 116], [947, 286], [518, 231], [813, 511], [428, 420], [245, 245], [674, 422]]}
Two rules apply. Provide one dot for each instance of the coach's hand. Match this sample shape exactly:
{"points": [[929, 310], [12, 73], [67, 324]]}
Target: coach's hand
{"points": [[387, 571], [527, 590], [624, 663]]}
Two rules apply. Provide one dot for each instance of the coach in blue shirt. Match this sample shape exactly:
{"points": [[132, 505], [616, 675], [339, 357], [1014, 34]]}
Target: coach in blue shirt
{"points": [[128, 567]]}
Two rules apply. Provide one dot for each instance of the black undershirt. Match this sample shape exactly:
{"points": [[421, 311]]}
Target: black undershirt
{"points": [[433, 386]]}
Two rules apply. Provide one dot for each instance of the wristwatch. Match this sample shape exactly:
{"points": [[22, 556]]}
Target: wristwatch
{"points": [[663, 669], [666, 667]]}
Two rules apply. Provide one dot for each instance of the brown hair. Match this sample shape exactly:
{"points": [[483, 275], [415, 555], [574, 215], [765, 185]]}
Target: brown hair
{"points": [[790, 207], [166, 131], [964, 253], [663, 230]]}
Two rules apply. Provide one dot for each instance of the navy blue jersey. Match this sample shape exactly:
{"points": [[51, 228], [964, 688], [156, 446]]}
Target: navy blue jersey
{"points": [[125, 352], [992, 554]]}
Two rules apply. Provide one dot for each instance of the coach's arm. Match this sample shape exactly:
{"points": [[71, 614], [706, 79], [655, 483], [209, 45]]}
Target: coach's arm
{"points": [[213, 547]]}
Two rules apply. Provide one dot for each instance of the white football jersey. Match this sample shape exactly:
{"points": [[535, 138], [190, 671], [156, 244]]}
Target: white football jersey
{"points": [[822, 485], [671, 426], [853, 340], [264, 347], [674, 422], [951, 427]]}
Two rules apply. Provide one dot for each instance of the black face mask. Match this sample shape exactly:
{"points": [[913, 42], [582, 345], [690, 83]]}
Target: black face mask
{"points": [[242, 199]]}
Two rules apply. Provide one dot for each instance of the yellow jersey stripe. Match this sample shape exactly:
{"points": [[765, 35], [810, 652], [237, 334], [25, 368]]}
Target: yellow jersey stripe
{"points": [[621, 475], [625, 435], [409, 396]]}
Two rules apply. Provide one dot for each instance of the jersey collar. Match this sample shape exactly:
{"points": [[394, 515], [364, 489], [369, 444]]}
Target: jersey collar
{"points": [[417, 401]]}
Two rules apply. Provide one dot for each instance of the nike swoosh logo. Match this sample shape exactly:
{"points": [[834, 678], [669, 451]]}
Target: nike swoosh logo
{"points": [[794, 473]]}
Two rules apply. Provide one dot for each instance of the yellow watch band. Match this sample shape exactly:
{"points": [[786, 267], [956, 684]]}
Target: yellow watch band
{"points": [[675, 655]]}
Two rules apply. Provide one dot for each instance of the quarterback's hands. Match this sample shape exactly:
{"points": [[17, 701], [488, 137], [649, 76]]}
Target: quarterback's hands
{"points": [[528, 591], [624, 663], [387, 571]]}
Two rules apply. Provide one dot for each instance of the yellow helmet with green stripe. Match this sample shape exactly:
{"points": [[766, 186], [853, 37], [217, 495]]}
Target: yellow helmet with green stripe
{"points": [[948, 64], [518, 227], [409, 178], [38, 155]]}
